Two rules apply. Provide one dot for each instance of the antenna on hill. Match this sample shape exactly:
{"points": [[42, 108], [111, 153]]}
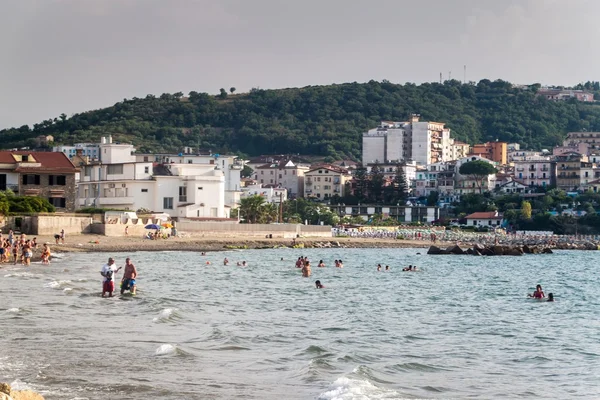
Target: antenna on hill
{"points": [[465, 75], [440, 77]]}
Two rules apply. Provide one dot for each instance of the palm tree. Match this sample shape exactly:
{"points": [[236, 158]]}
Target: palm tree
{"points": [[251, 208]]}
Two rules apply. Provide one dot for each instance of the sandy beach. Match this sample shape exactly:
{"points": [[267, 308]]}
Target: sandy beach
{"points": [[96, 243]]}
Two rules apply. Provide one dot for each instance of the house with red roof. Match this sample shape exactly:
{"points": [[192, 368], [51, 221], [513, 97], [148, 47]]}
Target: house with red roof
{"points": [[43, 174], [487, 218]]}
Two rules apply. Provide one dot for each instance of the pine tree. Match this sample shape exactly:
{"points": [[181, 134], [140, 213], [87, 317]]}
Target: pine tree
{"points": [[362, 181], [400, 187], [376, 184]]}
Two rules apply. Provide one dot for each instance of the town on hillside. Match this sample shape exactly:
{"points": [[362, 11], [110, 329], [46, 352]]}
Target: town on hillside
{"points": [[411, 172]]}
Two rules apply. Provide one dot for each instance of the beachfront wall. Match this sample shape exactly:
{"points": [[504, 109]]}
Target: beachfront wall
{"points": [[49, 224], [219, 229]]}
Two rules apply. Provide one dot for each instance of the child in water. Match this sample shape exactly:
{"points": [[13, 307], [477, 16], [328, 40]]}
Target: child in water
{"points": [[318, 285]]}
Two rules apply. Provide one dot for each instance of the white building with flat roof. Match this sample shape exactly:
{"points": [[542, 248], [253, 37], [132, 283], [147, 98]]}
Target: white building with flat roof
{"points": [[91, 150]]}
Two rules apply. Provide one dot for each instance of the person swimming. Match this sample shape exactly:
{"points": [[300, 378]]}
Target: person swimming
{"points": [[318, 284], [225, 261], [410, 268], [550, 297], [340, 264], [378, 267], [538, 294], [387, 267], [321, 264]]}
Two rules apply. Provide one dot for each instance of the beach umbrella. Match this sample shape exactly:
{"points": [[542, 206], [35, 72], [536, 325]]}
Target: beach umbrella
{"points": [[167, 225], [152, 226]]}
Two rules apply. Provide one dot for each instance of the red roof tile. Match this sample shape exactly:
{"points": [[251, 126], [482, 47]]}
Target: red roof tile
{"points": [[484, 215], [55, 161]]}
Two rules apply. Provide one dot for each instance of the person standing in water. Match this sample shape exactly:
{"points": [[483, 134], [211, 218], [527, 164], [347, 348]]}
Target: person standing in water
{"points": [[306, 269], [129, 275], [318, 285], [321, 264], [108, 271], [538, 294]]}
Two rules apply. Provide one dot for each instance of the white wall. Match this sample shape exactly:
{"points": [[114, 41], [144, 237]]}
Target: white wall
{"points": [[421, 143], [373, 149]]}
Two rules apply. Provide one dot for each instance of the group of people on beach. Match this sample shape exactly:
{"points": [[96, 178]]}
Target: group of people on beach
{"points": [[128, 282], [21, 249]]}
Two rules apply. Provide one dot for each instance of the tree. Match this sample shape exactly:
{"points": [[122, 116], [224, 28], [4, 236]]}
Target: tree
{"points": [[526, 210], [222, 93], [397, 192], [477, 170], [362, 182], [231, 90], [246, 172], [251, 209], [433, 198], [376, 184]]}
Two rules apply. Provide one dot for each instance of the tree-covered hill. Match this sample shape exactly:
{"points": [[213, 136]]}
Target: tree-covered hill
{"points": [[319, 120]]}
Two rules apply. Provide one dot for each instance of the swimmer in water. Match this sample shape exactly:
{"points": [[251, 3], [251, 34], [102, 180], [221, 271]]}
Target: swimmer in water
{"points": [[225, 261], [306, 269], [379, 267], [538, 294], [407, 269], [244, 264], [550, 297], [321, 264], [337, 263], [387, 267], [340, 264], [299, 262], [318, 285]]}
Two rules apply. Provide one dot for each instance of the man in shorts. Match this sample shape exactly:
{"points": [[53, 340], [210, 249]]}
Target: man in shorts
{"points": [[108, 272], [128, 282]]}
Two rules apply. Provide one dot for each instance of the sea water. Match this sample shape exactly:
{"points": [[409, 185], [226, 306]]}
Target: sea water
{"points": [[461, 327]]}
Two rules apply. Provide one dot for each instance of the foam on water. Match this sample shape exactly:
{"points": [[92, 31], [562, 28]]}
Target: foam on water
{"points": [[22, 275], [165, 315], [56, 284], [345, 388], [165, 349], [13, 310]]}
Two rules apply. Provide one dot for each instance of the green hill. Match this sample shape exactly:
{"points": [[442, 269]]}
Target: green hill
{"points": [[319, 120]]}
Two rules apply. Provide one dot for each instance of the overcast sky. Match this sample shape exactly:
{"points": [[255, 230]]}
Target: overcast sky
{"points": [[75, 55]]}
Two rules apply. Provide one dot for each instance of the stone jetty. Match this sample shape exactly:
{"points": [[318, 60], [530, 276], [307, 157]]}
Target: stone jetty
{"points": [[7, 393], [481, 250]]}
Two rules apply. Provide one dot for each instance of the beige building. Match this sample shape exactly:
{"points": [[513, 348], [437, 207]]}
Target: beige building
{"points": [[284, 174], [325, 181]]}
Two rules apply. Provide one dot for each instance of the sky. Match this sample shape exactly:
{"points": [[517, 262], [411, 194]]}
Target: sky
{"points": [[69, 56]]}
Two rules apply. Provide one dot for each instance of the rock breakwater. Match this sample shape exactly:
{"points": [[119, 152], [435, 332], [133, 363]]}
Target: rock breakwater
{"points": [[480, 250]]}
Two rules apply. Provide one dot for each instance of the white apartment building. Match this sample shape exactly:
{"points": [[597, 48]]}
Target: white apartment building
{"points": [[285, 174], [91, 150], [389, 171], [181, 189], [423, 142], [270, 193], [229, 165]]}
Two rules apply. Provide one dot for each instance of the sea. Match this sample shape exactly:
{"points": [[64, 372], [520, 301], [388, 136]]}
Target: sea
{"points": [[461, 327]]}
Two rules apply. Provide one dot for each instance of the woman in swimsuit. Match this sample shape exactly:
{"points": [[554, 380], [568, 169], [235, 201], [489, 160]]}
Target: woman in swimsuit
{"points": [[539, 293]]}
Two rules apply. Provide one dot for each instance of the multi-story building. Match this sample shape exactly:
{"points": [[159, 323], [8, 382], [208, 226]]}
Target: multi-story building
{"points": [[389, 171], [403, 214], [458, 149], [495, 151], [421, 141], [591, 139], [91, 150], [523, 155], [43, 174], [171, 184], [568, 171], [536, 172], [229, 165], [285, 174], [466, 184], [325, 181]]}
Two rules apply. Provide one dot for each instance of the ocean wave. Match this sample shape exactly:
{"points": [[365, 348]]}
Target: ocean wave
{"points": [[56, 284], [410, 367], [167, 314], [345, 388], [170, 350], [22, 275]]}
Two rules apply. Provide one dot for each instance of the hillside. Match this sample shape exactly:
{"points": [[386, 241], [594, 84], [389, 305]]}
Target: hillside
{"points": [[319, 120]]}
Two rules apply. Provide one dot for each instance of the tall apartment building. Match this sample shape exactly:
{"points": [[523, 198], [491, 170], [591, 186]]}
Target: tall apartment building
{"points": [[495, 151], [421, 141]]}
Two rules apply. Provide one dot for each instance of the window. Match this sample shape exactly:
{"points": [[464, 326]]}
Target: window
{"points": [[116, 169], [182, 194], [145, 158], [31, 179], [200, 187], [57, 180], [211, 162], [144, 190], [168, 203], [281, 175], [58, 202], [146, 170], [190, 161]]}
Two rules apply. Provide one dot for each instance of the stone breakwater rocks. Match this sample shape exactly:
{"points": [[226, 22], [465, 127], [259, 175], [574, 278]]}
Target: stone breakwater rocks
{"points": [[6, 393], [480, 250]]}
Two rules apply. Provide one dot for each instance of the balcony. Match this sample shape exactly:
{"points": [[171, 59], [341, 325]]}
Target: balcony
{"points": [[108, 201], [309, 182], [520, 169], [236, 165]]}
